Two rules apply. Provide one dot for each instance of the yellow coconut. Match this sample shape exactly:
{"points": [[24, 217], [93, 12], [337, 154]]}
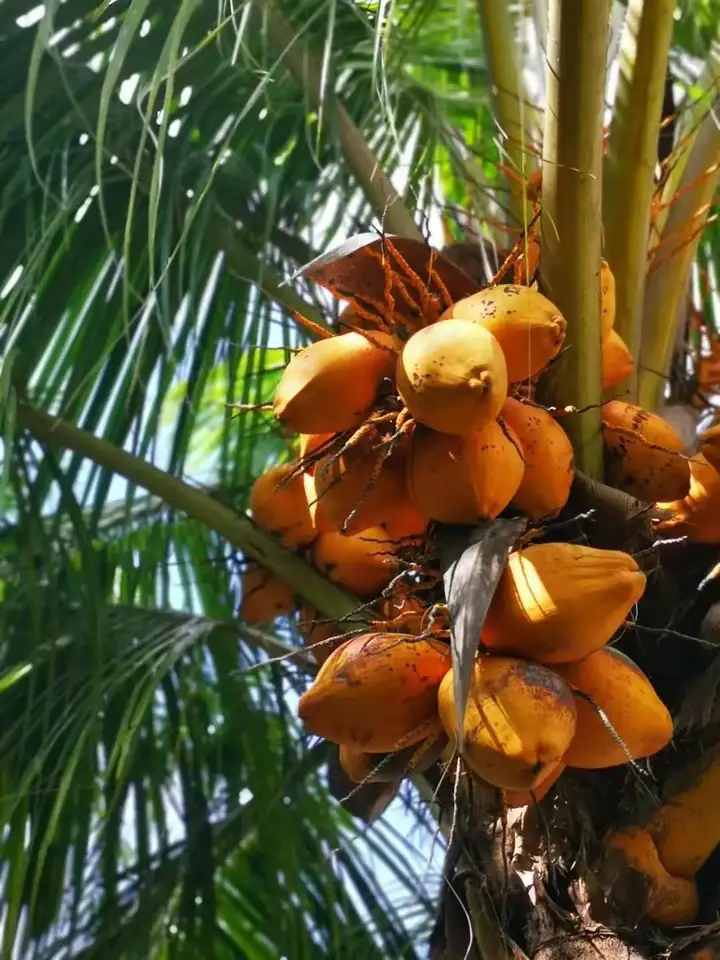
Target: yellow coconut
{"points": [[452, 377], [362, 488], [364, 563], [607, 295], [377, 692], [669, 900], [640, 721], [529, 328], [548, 453], [524, 798], [264, 597], [696, 516], [643, 454], [710, 446], [462, 479], [279, 505], [518, 723], [617, 361], [331, 385], [559, 602]]}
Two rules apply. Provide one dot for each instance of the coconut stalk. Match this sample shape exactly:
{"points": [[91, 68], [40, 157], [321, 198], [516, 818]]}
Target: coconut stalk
{"points": [[669, 272], [236, 528], [360, 159], [571, 211], [630, 161], [510, 102]]}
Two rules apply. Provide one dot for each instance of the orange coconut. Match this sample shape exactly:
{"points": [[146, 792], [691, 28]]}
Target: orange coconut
{"points": [[462, 479], [607, 298], [320, 638], [320, 520], [452, 377], [669, 900], [529, 328], [710, 446], [406, 523], [643, 454], [524, 798], [364, 767], [377, 692], [362, 488], [331, 385], [559, 602], [686, 828], [518, 723], [548, 453], [627, 698], [279, 505], [363, 563], [617, 361], [696, 516], [311, 447], [264, 596]]}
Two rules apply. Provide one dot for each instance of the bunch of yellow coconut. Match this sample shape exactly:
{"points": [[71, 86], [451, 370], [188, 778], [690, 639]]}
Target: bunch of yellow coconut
{"points": [[541, 694], [401, 428]]}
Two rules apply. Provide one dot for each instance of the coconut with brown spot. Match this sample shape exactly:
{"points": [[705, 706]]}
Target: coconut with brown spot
{"points": [[529, 328], [525, 798], [452, 377], [363, 488], [644, 456], [377, 692], [518, 723]]}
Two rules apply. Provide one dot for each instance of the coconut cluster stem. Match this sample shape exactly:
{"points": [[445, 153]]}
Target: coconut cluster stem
{"points": [[571, 222], [237, 529]]}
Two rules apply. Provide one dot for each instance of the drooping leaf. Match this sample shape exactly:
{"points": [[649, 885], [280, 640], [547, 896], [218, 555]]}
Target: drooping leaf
{"points": [[472, 560]]}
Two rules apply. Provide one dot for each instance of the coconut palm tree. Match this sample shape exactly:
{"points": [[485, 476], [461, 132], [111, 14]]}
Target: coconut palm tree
{"points": [[167, 171]]}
